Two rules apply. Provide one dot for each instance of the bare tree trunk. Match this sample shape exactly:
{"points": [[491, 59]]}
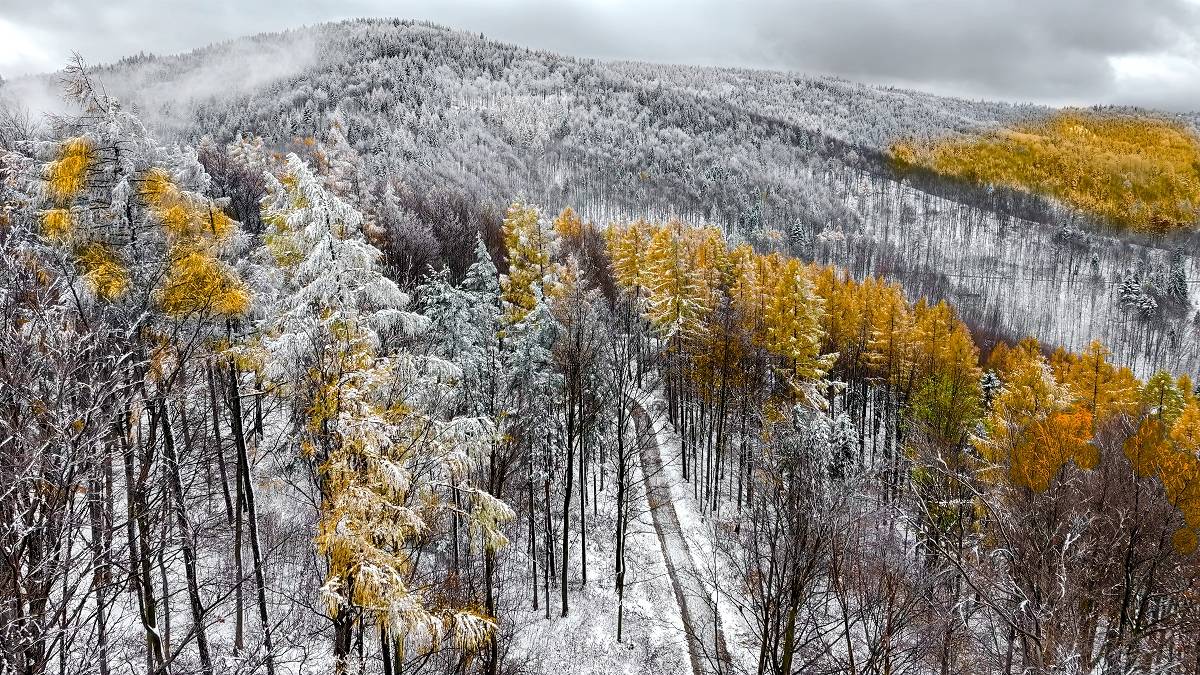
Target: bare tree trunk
{"points": [[100, 557], [239, 622], [532, 538], [247, 488], [570, 475], [385, 651], [185, 538], [622, 517], [164, 536], [582, 508], [343, 640], [136, 528], [216, 423], [549, 546]]}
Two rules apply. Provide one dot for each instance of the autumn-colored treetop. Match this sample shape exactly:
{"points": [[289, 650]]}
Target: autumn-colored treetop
{"points": [[1134, 172]]}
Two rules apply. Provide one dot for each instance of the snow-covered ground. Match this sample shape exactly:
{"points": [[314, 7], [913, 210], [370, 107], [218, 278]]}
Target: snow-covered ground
{"points": [[705, 578], [585, 642]]}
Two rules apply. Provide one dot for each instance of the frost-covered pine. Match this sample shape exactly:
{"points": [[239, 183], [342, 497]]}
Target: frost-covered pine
{"points": [[465, 321], [533, 383], [528, 345], [990, 385], [482, 286], [1130, 288], [345, 167], [374, 420], [325, 261], [449, 311], [1133, 293], [482, 278], [843, 441], [1147, 306], [1177, 282]]}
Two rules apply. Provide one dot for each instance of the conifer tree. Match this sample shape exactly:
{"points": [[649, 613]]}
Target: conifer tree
{"points": [[387, 455]]}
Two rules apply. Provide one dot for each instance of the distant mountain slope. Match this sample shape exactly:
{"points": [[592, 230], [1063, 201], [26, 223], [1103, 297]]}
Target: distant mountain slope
{"points": [[449, 108], [437, 110]]}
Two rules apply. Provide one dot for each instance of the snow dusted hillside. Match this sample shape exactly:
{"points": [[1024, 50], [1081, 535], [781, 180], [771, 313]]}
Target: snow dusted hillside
{"points": [[750, 151]]}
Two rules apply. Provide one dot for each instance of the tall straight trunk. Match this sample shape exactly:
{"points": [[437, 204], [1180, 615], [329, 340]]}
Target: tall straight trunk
{"points": [[343, 640], [582, 508], [549, 545], [239, 601], [682, 426], [100, 558], [789, 633], [742, 450], [749, 472], [215, 411], [493, 646], [385, 651], [763, 645], [718, 460], [185, 538], [454, 531], [258, 410], [691, 411], [598, 479], [532, 539], [622, 516], [566, 551], [164, 578], [495, 488], [136, 524], [247, 488], [706, 489]]}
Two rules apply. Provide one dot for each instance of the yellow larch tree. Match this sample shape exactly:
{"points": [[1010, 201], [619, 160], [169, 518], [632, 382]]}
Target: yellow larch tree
{"points": [[388, 457], [197, 281], [1135, 171], [1162, 398], [568, 224], [627, 250], [677, 296], [1034, 429], [1102, 388], [792, 323], [531, 272], [843, 322], [1169, 453], [891, 323]]}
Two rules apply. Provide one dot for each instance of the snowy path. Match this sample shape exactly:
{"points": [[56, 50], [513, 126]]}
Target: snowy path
{"points": [[700, 622]]}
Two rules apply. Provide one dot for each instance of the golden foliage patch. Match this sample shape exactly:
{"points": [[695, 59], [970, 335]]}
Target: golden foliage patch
{"points": [[103, 269], [57, 224], [68, 174], [181, 215], [1135, 172], [197, 282]]}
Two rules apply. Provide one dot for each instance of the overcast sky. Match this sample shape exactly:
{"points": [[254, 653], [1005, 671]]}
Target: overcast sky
{"points": [[1139, 52]]}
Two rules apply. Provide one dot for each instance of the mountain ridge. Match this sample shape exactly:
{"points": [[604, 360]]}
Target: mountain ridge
{"points": [[436, 110]]}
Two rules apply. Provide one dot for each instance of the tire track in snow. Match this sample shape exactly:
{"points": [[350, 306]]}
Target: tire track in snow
{"points": [[699, 619]]}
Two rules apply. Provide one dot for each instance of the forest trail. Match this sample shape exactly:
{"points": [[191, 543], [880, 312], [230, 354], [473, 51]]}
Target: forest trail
{"points": [[700, 621]]}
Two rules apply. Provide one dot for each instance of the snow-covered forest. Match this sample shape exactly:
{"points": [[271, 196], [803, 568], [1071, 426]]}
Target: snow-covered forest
{"points": [[415, 352]]}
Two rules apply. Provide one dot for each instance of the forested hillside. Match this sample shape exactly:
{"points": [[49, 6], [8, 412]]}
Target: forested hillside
{"points": [[1134, 172], [444, 116], [420, 353]]}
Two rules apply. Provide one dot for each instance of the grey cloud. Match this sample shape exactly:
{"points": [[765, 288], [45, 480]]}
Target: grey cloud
{"points": [[1052, 51]]}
